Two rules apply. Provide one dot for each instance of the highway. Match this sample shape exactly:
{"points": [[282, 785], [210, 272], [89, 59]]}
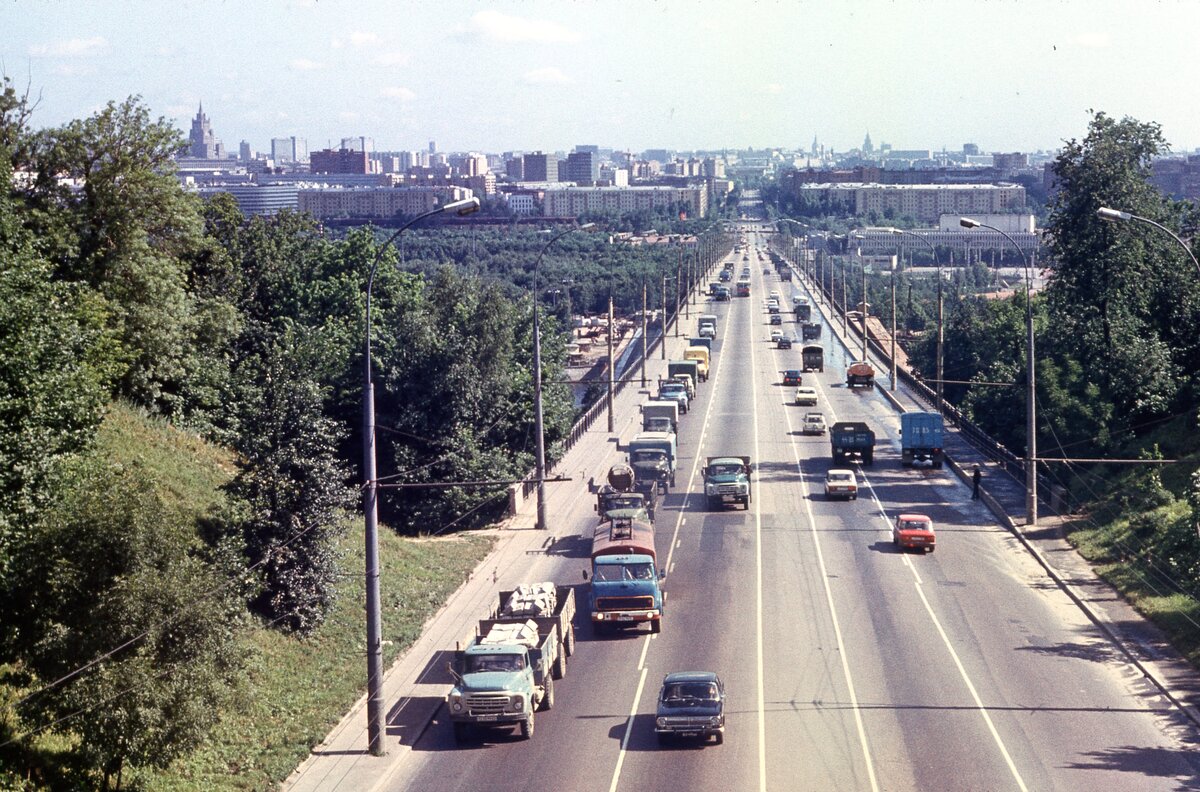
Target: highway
{"points": [[848, 665]]}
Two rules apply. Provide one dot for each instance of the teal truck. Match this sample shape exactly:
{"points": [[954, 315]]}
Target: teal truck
{"points": [[727, 480], [921, 437], [849, 439], [652, 456], [812, 358], [507, 671], [626, 587]]}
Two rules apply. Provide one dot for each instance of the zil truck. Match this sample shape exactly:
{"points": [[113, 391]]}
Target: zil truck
{"points": [[852, 439], [700, 354], [860, 374], [626, 585], [690, 368], [624, 496], [652, 457], [660, 416], [727, 480], [921, 438], [812, 358], [506, 672], [706, 326]]}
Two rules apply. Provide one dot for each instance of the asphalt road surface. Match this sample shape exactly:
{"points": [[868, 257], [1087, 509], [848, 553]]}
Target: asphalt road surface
{"points": [[848, 665]]}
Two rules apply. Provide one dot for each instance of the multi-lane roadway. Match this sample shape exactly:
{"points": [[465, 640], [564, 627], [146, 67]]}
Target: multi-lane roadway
{"points": [[848, 665]]}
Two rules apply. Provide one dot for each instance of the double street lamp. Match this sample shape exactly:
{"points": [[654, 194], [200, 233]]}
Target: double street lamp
{"points": [[538, 426], [1031, 504], [370, 502]]}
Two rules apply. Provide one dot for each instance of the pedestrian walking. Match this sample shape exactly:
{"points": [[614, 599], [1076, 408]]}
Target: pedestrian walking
{"points": [[976, 477]]}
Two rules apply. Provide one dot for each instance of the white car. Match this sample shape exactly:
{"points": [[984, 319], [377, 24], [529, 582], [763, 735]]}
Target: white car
{"points": [[776, 334], [814, 424], [806, 396], [841, 483], [775, 294]]}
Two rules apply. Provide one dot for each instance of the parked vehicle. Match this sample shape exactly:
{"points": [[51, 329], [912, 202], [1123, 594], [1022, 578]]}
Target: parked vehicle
{"points": [[840, 483], [921, 438], [700, 355], [852, 438], [811, 331], [691, 704], [914, 531], [813, 424], [812, 357], [507, 672], [860, 374], [807, 396], [652, 456], [659, 412], [727, 480], [626, 587]]}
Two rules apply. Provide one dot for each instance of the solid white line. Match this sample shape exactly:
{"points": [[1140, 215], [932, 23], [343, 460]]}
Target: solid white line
{"points": [[758, 583], [628, 728]]}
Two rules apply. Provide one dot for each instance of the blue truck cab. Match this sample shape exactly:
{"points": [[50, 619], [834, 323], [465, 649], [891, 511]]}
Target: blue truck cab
{"points": [[922, 435], [626, 588]]}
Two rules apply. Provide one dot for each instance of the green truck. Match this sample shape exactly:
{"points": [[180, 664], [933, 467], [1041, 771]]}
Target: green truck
{"points": [[690, 368], [652, 457], [507, 671], [852, 438], [727, 480]]}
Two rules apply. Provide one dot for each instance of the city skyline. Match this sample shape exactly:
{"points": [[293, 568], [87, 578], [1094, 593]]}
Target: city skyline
{"points": [[1020, 76]]}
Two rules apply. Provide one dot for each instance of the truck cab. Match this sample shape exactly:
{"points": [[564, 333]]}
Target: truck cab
{"points": [[727, 480], [626, 587], [652, 457]]}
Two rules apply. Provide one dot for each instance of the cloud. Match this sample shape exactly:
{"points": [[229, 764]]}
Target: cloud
{"points": [[393, 58], [511, 29], [356, 39], [398, 92], [304, 64], [771, 88], [71, 48], [550, 75]]}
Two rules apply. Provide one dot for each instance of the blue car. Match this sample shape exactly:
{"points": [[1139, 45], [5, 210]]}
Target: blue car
{"points": [[691, 704]]}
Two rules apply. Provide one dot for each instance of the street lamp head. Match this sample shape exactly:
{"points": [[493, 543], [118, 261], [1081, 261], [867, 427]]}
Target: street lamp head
{"points": [[1113, 215], [586, 227], [464, 207], [967, 222]]}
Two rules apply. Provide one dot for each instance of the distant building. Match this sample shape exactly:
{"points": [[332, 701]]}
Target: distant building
{"points": [[245, 153], [289, 149], [1008, 163], [340, 161], [539, 167], [255, 199], [375, 203], [970, 149], [358, 144], [574, 201], [204, 144], [514, 168], [1177, 177], [924, 202], [583, 168]]}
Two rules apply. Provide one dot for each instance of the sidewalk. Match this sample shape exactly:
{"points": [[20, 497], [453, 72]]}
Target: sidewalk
{"points": [[1138, 639], [416, 684]]}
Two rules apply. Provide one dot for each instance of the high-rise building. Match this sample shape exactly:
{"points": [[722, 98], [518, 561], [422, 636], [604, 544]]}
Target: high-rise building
{"points": [[970, 149], [204, 143], [289, 149], [358, 144], [340, 161], [432, 147], [583, 168], [540, 167], [514, 168], [245, 153]]}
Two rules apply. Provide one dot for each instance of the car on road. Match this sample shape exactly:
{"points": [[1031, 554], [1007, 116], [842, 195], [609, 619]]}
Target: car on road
{"points": [[691, 704], [784, 342], [914, 531], [793, 377], [813, 424], [776, 319], [722, 294], [806, 396], [766, 270], [841, 483], [775, 294], [776, 334]]}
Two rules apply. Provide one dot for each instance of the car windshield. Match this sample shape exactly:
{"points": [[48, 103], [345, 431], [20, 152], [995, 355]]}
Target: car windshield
{"points": [[494, 663], [646, 456], [726, 470], [691, 691]]}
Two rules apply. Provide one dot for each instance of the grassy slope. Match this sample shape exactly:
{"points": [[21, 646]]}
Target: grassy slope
{"points": [[297, 689]]}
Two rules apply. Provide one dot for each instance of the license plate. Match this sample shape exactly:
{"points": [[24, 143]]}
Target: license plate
{"points": [[689, 734], [483, 718], [624, 617]]}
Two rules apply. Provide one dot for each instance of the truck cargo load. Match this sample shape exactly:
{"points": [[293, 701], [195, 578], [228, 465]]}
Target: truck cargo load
{"points": [[922, 435], [812, 357], [860, 374]]}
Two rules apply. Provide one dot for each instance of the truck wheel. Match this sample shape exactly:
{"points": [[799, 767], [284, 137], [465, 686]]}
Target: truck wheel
{"points": [[569, 643], [672, 478], [869, 457], [527, 728], [656, 625], [462, 731], [547, 702], [556, 671]]}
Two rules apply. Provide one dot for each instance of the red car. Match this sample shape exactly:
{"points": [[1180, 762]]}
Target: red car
{"points": [[914, 531]]}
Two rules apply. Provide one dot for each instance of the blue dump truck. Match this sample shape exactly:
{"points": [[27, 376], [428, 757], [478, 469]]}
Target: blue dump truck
{"points": [[626, 584], [507, 671], [921, 438], [852, 438]]}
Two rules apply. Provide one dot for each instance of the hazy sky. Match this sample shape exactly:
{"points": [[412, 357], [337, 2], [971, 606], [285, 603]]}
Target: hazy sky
{"points": [[1009, 76]]}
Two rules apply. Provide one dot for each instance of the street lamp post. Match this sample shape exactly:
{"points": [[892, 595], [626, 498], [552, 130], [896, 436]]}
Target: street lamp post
{"points": [[940, 335], [663, 319], [371, 504], [1031, 504], [538, 423], [1117, 216], [645, 323]]}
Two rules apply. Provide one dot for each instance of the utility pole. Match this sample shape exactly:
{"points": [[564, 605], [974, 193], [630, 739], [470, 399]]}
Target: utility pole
{"points": [[645, 324], [678, 287], [612, 374], [864, 306], [894, 274], [663, 318]]}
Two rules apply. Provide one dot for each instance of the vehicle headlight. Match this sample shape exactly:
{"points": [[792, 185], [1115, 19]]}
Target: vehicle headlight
{"points": [[711, 489], [456, 705], [661, 723], [715, 720], [455, 700], [517, 704]]}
